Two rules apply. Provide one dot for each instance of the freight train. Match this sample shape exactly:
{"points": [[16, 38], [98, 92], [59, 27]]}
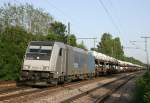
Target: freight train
{"points": [[47, 62]]}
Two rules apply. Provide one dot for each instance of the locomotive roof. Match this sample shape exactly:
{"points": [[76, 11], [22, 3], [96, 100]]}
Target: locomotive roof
{"points": [[44, 43]]}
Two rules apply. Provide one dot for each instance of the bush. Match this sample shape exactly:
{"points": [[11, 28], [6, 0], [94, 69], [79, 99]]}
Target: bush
{"points": [[142, 92], [13, 42]]}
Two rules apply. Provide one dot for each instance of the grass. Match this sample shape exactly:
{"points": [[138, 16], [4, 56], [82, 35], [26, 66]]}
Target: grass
{"points": [[142, 91]]}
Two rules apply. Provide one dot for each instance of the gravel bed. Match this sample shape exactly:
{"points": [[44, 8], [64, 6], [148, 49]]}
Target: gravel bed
{"points": [[68, 93], [12, 84], [124, 94], [94, 95], [62, 93]]}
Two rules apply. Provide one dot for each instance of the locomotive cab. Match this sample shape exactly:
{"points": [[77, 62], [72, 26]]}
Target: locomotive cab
{"points": [[39, 67]]}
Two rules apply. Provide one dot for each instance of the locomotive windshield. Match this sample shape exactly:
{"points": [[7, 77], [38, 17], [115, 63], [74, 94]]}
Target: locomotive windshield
{"points": [[39, 51]]}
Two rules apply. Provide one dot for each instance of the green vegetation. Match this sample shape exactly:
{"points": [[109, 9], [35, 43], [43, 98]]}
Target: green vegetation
{"points": [[33, 20], [13, 42], [57, 32], [20, 24], [81, 45], [112, 47], [142, 92]]}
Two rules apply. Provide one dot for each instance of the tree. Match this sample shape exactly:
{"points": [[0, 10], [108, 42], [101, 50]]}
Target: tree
{"points": [[117, 48], [32, 19], [105, 46], [18, 26], [57, 28], [81, 45], [71, 40], [57, 32], [110, 46], [13, 43]]}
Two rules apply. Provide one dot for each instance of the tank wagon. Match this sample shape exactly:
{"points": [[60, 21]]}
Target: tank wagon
{"points": [[48, 62]]}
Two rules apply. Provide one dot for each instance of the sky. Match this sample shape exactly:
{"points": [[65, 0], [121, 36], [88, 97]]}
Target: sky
{"points": [[126, 19]]}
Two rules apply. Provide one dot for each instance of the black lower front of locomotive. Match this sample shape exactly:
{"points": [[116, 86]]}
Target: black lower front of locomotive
{"points": [[36, 78]]}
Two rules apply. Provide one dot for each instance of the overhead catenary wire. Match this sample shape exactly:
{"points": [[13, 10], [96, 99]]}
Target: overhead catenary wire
{"points": [[62, 12], [115, 13], [109, 15]]}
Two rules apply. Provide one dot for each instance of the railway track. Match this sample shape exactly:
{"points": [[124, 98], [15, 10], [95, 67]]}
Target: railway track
{"points": [[114, 87], [23, 91], [124, 93], [71, 95], [14, 92], [20, 94], [10, 89], [4, 84], [17, 92], [100, 94]]}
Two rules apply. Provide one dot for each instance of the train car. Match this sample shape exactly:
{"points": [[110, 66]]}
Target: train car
{"points": [[105, 65], [124, 66], [100, 67], [48, 62]]}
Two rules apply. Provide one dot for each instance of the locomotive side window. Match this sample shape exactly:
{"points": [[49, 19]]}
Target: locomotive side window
{"points": [[76, 57], [78, 60], [60, 52]]}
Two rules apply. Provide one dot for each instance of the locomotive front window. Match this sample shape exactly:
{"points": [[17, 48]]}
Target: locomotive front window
{"points": [[45, 50], [34, 49], [39, 52]]}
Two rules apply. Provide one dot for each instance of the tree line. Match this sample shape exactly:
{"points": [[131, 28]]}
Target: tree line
{"points": [[113, 47], [20, 24]]}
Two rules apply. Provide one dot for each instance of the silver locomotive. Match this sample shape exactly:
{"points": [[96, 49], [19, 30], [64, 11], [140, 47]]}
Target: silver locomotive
{"points": [[53, 62]]}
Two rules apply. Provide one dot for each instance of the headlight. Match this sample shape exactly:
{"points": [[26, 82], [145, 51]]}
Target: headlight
{"points": [[45, 67], [26, 67]]}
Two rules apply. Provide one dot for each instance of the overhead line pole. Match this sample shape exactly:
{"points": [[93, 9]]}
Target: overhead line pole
{"points": [[146, 50], [133, 43], [68, 33], [67, 51]]}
